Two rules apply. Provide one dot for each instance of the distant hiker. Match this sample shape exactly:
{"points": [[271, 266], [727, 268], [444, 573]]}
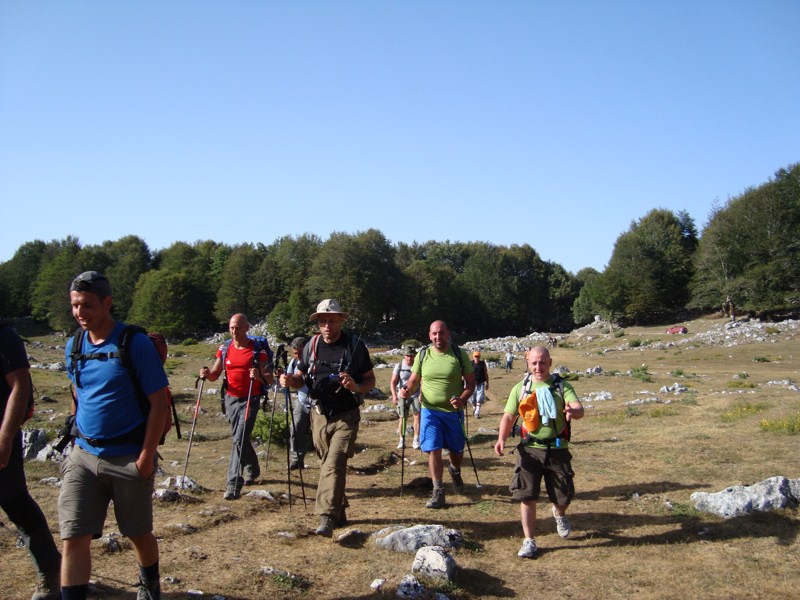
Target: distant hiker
{"points": [[337, 369], [247, 365], [115, 453], [547, 406], [400, 376], [301, 411], [509, 360], [481, 384], [728, 309], [447, 383], [15, 500]]}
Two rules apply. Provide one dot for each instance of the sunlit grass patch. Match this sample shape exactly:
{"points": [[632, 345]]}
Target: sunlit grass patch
{"points": [[663, 411], [789, 425], [743, 410]]}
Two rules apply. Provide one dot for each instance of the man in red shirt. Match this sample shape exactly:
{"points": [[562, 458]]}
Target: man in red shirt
{"points": [[248, 374]]}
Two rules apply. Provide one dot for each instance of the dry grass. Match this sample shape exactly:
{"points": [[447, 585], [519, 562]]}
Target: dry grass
{"points": [[636, 532]]}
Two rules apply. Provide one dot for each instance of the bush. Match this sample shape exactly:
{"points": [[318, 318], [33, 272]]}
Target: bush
{"points": [[190, 341], [641, 373], [269, 425]]}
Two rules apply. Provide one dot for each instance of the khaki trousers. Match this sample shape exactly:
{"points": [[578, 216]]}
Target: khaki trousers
{"points": [[335, 442]]}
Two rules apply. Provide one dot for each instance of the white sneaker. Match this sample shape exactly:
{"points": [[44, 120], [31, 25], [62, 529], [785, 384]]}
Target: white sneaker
{"points": [[415, 444], [401, 444], [528, 549], [562, 525]]}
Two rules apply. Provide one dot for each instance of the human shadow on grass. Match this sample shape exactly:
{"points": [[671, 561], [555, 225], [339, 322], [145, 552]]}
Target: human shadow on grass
{"points": [[627, 491], [602, 529]]}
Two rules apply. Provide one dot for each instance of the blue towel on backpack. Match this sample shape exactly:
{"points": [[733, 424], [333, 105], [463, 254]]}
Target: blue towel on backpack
{"points": [[546, 403]]}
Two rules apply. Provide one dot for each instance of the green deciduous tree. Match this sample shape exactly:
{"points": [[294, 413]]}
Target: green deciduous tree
{"points": [[750, 249], [360, 272], [651, 267], [50, 300], [17, 277], [234, 295], [166, 301]]}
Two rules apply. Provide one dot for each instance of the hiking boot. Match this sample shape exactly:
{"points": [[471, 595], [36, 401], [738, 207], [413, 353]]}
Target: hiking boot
{"points": [[325, 526], [528, 549], [232, 493], [250, 476], [342, 520], [437, 500], [458, 481], [415, 444], [401, 444], [562, 525], [48, 587], [149, 590]]}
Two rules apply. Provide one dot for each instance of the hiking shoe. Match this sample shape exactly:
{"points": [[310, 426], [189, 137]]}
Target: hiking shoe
{"points": [[528, 549], [562, 525], [458, 481], [231, 493], [325, 526], [415, 444], [48, 587], [149, 590], [401, 444], [437, 500]]}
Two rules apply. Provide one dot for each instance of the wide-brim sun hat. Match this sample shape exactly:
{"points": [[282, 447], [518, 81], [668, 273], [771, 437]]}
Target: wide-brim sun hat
{"points": [[329, 306]]}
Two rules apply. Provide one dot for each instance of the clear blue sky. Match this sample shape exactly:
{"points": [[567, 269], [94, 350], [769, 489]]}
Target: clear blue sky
{"points": [[555, 124]]}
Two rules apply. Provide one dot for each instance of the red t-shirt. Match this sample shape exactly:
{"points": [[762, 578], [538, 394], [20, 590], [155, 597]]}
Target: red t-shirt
{"points": [[237, 369]]}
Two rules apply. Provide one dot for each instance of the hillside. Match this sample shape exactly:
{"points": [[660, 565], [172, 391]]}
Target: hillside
{"points": [[638, 456]]}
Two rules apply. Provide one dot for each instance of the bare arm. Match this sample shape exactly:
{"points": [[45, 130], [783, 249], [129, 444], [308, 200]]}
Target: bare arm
{"points": [[159, 406], [214, 372], [506, 423], [20, 384], [393, 386], [411, 386], [574, 410]]}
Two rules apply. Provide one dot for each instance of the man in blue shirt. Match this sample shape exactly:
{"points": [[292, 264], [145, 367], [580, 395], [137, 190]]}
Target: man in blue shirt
{"points": [[115, 451]]}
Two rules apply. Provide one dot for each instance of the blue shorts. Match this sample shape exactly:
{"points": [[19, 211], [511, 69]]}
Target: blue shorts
{"points": [[439, 429]]}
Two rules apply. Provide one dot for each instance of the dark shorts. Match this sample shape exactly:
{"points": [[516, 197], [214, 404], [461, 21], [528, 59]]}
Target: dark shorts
{"points": [[553, 465], [90, 483]]}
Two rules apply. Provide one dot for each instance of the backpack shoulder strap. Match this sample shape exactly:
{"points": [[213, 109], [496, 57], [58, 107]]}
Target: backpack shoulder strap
{"points": [[457, 352], [76, 353], [311, 359], [124, 344]]}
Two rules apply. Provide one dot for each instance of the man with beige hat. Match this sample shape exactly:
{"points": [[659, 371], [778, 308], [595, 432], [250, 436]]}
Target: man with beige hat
{"points": [[336, 367]]}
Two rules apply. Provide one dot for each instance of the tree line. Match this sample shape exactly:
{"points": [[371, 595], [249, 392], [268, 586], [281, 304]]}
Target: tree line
{"points": [[660, 269]]}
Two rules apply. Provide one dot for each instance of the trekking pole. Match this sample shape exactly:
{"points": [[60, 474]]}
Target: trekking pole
{"points": [[272, 418], [403, 449], [469, 449], [293, 435], [194, 424]]}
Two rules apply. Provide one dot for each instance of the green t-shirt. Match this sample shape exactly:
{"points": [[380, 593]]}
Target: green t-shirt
{"points": [[441, 377], [544, 432]]}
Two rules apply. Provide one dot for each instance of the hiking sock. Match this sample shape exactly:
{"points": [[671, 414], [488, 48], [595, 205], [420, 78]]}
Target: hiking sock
{"points": [[149, 573], [74, 592]]}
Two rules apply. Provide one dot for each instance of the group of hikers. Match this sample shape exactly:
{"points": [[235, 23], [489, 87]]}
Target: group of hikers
{"points": [[121, 405]]}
